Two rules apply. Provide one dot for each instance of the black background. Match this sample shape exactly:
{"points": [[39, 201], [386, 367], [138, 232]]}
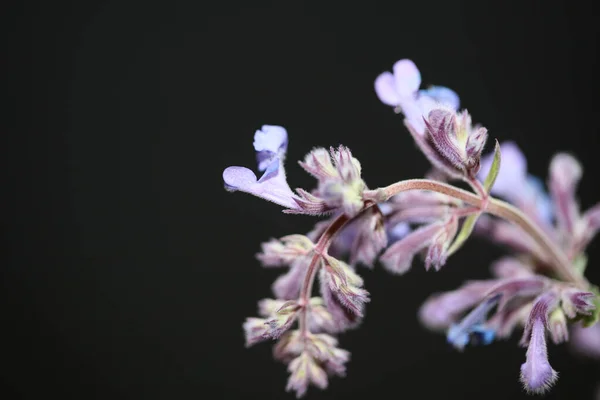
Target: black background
{"points": [[131, 269]]}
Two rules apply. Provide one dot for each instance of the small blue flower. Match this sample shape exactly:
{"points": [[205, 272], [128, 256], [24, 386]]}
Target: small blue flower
{"points": [[471, 328]]}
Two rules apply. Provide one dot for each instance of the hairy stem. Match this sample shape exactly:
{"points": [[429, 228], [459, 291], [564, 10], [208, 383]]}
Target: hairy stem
{"points": [[320, 249], [560, 263]]}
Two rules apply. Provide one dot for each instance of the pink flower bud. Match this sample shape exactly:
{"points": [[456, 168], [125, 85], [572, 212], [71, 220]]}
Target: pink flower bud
{"points": [[438, 250], [340, 184], [304, 370], [565, 173], [258, 330], [398, 257], [276, 253]]}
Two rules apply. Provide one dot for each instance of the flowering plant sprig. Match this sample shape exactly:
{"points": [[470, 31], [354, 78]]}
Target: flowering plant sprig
{"points": [[540, 287]]}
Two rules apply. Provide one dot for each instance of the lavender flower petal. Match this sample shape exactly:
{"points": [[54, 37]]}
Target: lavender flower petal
{"points": [[398, 257], [272, 186], [442, 95], [270, 143], [536, 373], [565, 173]]}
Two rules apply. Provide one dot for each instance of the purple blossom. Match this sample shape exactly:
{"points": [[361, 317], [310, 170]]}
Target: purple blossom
{"points": [[270, 144], [400, 89], [536, 373], [342, 293], [399, 256], [565, 173], [437, 254], [456, 145], [441, 310]]}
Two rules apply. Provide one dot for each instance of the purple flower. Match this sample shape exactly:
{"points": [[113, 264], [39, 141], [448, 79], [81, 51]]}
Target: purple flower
{"points": [[441, 310], [270, 144], [565, 173], [537, 374], [400, 89], [456, 145], [342, 293]]}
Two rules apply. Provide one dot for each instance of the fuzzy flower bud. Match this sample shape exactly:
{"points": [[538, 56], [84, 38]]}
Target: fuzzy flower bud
{"points": [[342, 293], [276, 253], [399, 256], [258, 329], [319, 318], [340, 184], [438, 251], [304, 371], [575, 302], [565, 173], [457, 144], [557, 325], [320, 356]]}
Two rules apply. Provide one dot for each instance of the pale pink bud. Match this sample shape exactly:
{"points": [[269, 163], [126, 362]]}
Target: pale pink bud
{"points": [[438, 250], [304, 370], [557, 325], [399, 256], [565, 173], [276, 253]]}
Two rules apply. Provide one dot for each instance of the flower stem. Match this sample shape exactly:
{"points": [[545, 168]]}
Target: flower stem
{"points": [[320, 249], [561, 264]]}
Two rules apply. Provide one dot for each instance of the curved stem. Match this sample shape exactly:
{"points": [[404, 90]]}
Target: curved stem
{"points": [[561, 264], [319, 250]]}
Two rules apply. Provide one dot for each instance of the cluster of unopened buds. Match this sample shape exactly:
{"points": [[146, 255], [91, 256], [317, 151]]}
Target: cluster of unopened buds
{"points": [[539, 288]]}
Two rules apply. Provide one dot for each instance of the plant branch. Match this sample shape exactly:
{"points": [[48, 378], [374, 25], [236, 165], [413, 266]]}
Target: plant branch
{"points": [[561, 264]]}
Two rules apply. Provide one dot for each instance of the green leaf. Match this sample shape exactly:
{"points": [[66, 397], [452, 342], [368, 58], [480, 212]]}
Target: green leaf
{"points": [[579, 263], [463, 235], [494, 169], [469, 222]]}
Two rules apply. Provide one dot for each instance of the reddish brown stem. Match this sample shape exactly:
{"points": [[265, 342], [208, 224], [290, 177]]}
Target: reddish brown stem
{"points": [[320, 249], [560, 263]]}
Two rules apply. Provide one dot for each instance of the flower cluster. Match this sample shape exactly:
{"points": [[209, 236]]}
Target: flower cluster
{"points": [[539, 288]]}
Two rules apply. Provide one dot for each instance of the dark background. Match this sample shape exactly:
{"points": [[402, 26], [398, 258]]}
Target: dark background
{"points": [[131, 269]]}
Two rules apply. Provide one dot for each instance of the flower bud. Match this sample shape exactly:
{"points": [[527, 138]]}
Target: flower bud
{"points": [[340, 184], [276, 253], [457, 144], [557, 325]]}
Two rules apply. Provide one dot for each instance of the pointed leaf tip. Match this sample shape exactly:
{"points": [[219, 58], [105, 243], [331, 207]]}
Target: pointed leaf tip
{"points": [[494, 169]]}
